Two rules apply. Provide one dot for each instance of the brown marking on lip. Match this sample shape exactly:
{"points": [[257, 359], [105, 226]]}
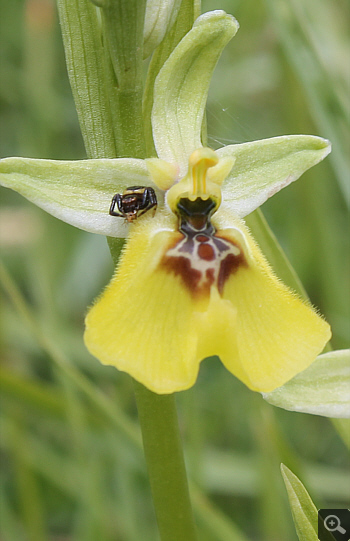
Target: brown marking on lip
{"points": [[202, 238], [210, 276], [196, 281], [181, 266], [206, 252], [229, 266]]}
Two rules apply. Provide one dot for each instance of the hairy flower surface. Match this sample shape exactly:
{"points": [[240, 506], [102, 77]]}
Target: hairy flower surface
{"points": [[191, 282]]}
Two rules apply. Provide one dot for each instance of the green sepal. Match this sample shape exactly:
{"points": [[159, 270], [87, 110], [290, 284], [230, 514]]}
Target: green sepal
{"points": [[188, 13], [264, 167], [322, 389], [77, 192], [181, 88]]}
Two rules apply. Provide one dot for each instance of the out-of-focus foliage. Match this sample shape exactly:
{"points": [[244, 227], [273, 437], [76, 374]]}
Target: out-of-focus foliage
{"points": [[72, 466]]}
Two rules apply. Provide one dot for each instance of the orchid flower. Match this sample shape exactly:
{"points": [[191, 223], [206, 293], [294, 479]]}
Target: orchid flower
{"points": [[191, 282]]}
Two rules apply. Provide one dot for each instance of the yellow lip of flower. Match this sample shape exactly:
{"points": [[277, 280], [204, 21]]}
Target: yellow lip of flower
{"points": [[185, 306]]}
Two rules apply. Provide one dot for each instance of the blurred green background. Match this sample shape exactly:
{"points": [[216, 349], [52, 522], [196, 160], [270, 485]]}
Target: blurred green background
{"points": [[72, 463]]}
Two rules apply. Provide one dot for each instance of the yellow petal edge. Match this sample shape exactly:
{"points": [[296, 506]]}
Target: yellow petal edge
{"points": [[147, 323]]}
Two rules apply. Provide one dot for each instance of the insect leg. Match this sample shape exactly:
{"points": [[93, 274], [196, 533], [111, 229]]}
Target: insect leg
{"points": [[152, 199], [116, 200]]}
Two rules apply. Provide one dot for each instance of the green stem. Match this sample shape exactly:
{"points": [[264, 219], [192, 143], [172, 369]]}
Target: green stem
{"points": [[123, 23], [165, 463]]}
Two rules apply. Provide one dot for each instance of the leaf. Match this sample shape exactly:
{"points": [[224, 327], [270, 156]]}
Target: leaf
{"points": [[264, 167], [322, 389], [77, 192], [85, 65], [181, 87], [303, 510]]}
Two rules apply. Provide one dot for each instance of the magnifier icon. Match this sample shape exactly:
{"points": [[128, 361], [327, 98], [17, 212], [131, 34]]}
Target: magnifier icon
{"points": [[332, 524]]}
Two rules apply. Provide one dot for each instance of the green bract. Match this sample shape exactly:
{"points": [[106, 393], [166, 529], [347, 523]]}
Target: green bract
{"points": [[303, 510]]}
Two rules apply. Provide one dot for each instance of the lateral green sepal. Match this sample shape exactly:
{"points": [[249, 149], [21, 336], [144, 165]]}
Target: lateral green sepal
{"points": [[322, 389], [77, 192], [264, 167]]}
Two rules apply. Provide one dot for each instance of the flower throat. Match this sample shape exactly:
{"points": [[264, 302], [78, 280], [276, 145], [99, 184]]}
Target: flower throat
{"points": [[201, 255]]}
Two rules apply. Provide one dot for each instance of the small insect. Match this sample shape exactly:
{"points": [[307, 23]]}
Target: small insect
{"points": [[135, 201]]}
